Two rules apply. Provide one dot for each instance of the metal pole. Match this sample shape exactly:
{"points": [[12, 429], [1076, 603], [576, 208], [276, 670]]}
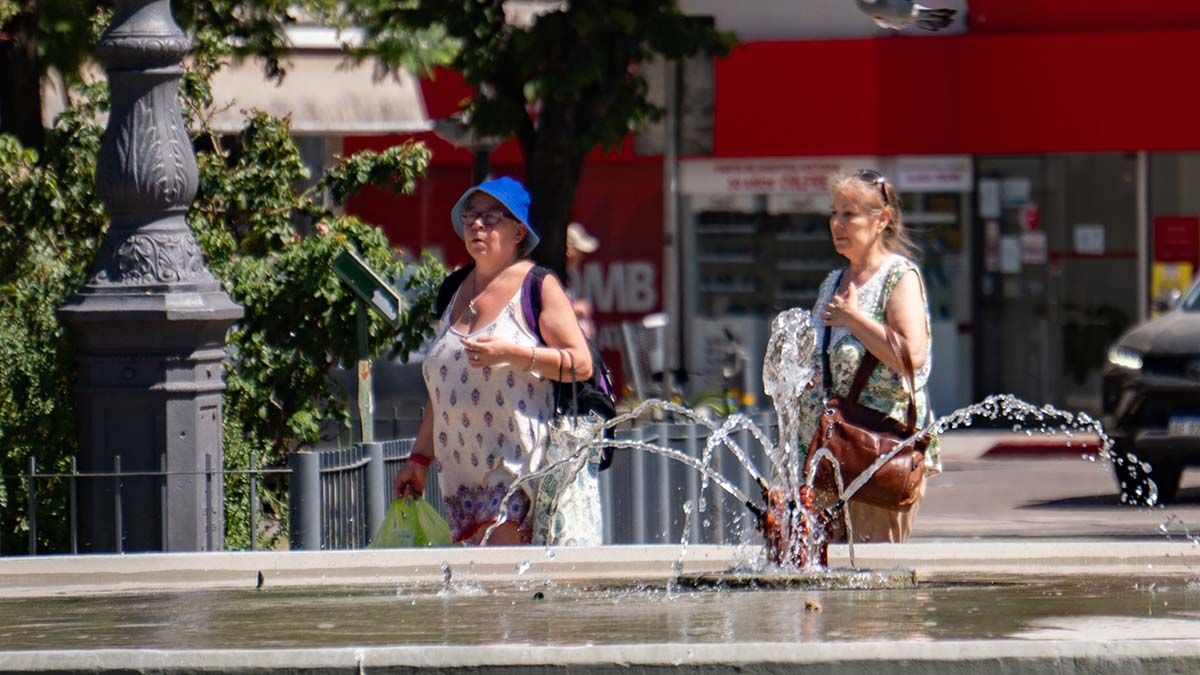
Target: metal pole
{"points": [[692, 483], [148, 299], [163, 509], [366, 402], [117, 524], [208, 503], [1143, 235], [673, 272], [663, 533], [637, 509], [74, 507], [304, 501], [32, 490], [377, 488], [253, 501]]}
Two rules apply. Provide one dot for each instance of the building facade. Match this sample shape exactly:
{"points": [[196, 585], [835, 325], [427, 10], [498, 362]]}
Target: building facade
{"points": [[1046, 153]]}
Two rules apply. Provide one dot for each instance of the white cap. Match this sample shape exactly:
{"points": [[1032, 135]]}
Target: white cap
{"points": [[578, 238]]}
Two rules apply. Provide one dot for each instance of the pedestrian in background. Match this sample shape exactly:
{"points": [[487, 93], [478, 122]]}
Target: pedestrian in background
{"points": [[579, 245], [880, 289]]}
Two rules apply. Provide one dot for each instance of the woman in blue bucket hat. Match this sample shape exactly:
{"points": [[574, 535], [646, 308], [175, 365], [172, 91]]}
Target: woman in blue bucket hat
{"points": [[488, 375]]}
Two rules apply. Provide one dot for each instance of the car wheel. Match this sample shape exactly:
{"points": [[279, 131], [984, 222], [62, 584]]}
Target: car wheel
{"points": [[1132, 479], [1167, 477]]}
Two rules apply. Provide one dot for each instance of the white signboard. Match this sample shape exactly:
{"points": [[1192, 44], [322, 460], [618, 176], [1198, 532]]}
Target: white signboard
{"points": [[1010, 254], [1017, 190], [933, 174], [1089, 239], [1033, 247], [784, 175], [989, 198]]}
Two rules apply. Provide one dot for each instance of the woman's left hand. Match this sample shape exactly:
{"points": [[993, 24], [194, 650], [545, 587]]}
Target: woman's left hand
{"points": [[842, 308], [489, 351]]}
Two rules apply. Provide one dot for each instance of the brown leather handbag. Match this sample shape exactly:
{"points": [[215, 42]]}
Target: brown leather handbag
{"points": [[858, 435]]}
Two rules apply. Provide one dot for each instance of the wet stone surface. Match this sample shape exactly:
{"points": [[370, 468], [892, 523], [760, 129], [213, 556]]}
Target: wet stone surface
{"points": [[835, 579], [548, 614]]}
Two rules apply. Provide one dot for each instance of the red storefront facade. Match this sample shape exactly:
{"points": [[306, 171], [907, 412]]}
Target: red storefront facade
{"points": [[1033, 91]]}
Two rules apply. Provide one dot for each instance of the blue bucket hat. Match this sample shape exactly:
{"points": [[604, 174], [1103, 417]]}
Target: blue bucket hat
{"points": [[510, 193]]}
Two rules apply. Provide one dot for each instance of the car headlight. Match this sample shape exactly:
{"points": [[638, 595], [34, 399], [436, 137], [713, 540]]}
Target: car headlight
{"points": [[1124, 357]]}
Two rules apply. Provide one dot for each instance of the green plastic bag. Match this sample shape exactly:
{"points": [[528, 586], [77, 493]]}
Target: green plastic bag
{"points": [[410, 523]]}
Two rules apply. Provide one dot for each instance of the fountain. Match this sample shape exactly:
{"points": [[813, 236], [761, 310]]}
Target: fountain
{"points": [[941, 607]]}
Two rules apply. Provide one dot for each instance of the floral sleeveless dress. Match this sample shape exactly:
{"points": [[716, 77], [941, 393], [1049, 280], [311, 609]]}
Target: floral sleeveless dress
{"points": [[885, 390], [488, 423]]}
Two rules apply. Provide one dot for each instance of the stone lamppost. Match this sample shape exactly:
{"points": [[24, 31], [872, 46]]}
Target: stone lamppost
{"points": [[150, 322]]}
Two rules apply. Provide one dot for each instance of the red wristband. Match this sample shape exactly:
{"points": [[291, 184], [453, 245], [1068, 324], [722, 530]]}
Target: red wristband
{"points": [[423, 460]]}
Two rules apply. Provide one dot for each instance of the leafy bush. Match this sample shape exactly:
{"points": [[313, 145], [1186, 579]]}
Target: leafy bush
{"points": [[299, 322]]}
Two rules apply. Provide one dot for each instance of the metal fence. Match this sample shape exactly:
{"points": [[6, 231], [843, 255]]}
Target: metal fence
{"points": [[644, 496], [337, 498], [117, 483]]}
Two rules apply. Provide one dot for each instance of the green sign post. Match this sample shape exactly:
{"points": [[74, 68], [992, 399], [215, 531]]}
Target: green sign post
{"points": [[377, 294]]}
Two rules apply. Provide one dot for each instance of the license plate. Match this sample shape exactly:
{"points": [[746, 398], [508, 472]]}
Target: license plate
{"points": [[1184, 425]]}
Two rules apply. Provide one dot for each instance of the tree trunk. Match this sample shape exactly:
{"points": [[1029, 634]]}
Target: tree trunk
{"points": [[20, 87], [553, 166]]}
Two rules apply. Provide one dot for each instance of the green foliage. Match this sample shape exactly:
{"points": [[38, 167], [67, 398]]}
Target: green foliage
{"points": [[576, 66], [563, 85], [299, 318], [8, 9]]}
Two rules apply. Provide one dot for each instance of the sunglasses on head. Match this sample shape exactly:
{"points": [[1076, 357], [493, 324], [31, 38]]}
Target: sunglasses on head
{"points": [[873, 177]]}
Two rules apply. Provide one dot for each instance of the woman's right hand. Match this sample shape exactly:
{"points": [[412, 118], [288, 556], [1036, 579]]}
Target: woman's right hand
{"points": [[410, 480]]}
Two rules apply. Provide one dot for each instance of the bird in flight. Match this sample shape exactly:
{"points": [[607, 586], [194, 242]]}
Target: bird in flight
{"points": [[900, 14]]}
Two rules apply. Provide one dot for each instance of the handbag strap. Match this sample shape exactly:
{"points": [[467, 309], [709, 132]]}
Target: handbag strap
{"points": [[825, 373], [574, 384], [868, 365], [906, 370]]}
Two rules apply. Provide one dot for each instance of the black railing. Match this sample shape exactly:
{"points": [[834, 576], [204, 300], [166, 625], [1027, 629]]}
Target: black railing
{"points": [[337, 498]]}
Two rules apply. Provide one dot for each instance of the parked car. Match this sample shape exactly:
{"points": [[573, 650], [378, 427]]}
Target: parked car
{"points": [[1151, 398]]}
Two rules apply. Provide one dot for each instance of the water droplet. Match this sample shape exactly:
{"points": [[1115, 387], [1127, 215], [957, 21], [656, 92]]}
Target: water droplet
{"points": [[523, 567]]}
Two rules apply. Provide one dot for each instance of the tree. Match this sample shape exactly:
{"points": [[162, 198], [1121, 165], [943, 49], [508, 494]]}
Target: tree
{"points": [[37, 35], [20, 81], [300, 319], [562, 86]]}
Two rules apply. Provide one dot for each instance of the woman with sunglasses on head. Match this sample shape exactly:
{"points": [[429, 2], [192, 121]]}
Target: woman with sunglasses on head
{"points": [[879, 290], [488, 376]]}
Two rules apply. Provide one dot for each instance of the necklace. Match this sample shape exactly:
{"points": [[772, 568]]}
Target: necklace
{"points": [[471, 312]]}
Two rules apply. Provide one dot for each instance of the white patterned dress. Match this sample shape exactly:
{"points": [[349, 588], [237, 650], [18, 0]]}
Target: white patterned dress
{"points": [[488, 423]]}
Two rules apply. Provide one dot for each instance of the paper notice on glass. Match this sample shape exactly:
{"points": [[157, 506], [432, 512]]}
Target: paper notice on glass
{"points": [[989, 198], [1089, 239], [1017, 190], [1010, 254], [991, 246], [1033, 248]]}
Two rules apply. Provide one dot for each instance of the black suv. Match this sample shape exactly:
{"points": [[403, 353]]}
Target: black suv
{"points": [[1151, 398]]}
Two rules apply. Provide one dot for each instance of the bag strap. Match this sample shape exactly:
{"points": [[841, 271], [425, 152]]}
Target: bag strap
{"points": [[869, 363], [449, 287], [825, 372], [906, 370], [574, 384], [531, 299]]}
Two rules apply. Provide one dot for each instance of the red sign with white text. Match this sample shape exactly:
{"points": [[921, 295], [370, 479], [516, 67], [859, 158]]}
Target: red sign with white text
{"points": [[1177, 239]]}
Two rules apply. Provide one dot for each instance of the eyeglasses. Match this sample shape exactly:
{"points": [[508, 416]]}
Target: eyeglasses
{"points": [[488, 218], [873, 177]]}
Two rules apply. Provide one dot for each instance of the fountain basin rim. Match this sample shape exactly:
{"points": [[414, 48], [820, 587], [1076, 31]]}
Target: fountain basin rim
{"points": [[604, 565], [1030, 656]]}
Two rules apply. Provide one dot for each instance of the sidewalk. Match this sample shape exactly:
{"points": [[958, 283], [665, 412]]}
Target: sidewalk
{"points": [[994, 443]]}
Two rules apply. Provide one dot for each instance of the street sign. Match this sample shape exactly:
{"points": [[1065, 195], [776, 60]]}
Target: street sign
{"points": [[374, 291]]}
